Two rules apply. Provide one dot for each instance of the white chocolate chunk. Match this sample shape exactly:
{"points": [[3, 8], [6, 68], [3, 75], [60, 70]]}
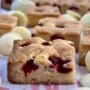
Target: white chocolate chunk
{"points": [[69, 42], [42, 59], [22, 31], [85, 80], [22, 5], [85, 21], [87, 61], [74, 14], [50, 24], [22, 19], [7, 42], [69, 17]]}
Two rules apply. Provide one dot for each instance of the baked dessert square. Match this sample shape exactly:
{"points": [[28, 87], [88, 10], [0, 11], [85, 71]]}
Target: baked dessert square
{"points": [[40, 12], [46, 2], [79, 6], [7, 22], [84, 46], [51, 28], [32, 59]]}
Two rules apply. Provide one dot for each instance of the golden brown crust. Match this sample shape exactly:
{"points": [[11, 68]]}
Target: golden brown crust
{"points": [[41, 12], [84, 48], [46, 2], [75, 3], [69, 30], [44, 11], [7, 21], [81, 6], [58, 21], [53, 30], [26, 50]]}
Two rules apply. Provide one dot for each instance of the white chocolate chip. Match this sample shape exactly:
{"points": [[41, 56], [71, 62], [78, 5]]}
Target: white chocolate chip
{"points": [[69, 42], [50, 24], [74, 14], [6, 42], [69, 17], [42, 59], [85, 80], [22, 5], [87, 60], [22, 31], [85, 21], [22, 19], [67, 65]]}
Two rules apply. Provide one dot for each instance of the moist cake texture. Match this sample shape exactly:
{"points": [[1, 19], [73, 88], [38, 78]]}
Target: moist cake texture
{"points": [[32, 59]]}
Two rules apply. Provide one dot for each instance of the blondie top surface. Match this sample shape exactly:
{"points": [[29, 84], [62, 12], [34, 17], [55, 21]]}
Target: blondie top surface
{"points": [[44, 10], [7, 21]]}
